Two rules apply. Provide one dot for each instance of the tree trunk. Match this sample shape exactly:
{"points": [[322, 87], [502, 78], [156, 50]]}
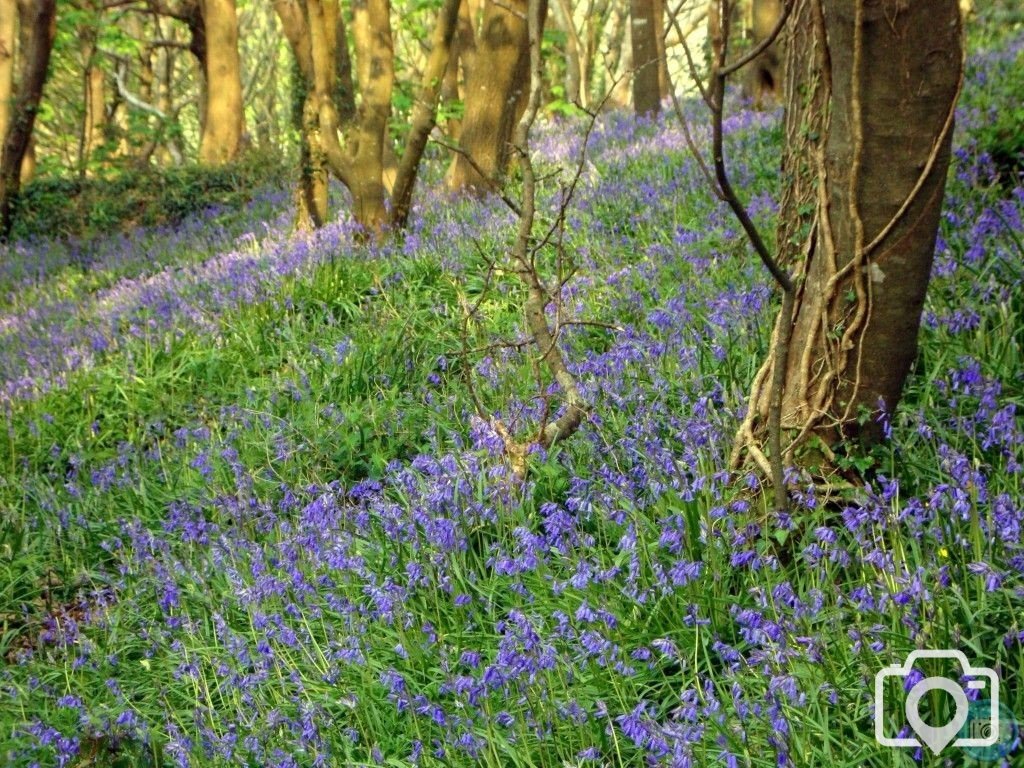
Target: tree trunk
{"points": [[424, 115], [763, 77], [311, 192], [646, 88], [496, 90], [659, 46], [93, 91], [619, 57], [223, 123], [460, 63], [573, 54], [375, 75], [871, 90], [38, 23], [8, 35]]}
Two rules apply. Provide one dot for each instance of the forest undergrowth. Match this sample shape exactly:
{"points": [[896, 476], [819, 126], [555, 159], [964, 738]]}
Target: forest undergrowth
{"points": [[250, 516]]}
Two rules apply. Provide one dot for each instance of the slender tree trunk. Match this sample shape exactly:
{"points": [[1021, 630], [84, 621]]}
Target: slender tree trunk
{"points": [[871, 90], [596, 14], [424, 115], [619, 56], [496, 91], [573, 54], [659, 45], [459, 63], [311, 192], [38, 23], [223, 124], [93, 92]]}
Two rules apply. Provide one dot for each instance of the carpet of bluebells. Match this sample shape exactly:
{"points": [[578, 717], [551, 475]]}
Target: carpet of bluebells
{"points": [[249, 515]]}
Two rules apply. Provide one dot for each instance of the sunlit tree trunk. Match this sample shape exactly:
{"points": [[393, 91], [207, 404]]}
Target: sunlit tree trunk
{"points": [[496, 89], [8, 35], [223, 113], [871, 90], [311, 192], [8, 49], [37, 20]]}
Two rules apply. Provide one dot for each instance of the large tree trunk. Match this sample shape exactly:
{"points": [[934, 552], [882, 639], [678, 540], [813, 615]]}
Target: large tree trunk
{"points": [[644, 29], [871, 89], [496, 90], [223, 114], [38, 24]]}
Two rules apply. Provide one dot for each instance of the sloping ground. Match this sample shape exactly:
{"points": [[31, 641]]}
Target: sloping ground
{"points": [[252, 518]]}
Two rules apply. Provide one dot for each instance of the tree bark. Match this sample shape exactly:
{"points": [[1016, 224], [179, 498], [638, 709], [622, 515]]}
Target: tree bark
{"points": [[38, 22], [223, 123], [496, 91], [871, 89], [619, 56]]}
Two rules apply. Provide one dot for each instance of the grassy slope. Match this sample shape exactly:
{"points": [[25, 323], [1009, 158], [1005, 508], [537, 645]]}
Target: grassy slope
{"points": [[259, 523]]}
